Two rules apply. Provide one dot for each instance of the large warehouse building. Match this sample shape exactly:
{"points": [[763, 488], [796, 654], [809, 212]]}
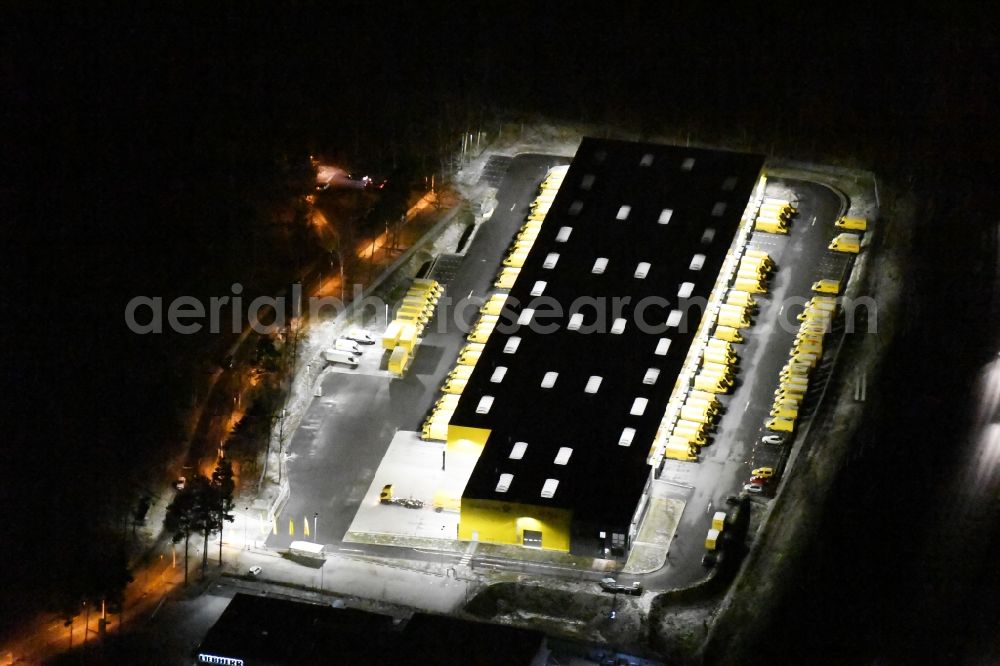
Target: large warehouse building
{"points": [[563, 407]]}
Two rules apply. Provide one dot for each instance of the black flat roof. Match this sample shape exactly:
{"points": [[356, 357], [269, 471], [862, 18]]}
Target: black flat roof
{"points": [[681, 202], [280, 631]]}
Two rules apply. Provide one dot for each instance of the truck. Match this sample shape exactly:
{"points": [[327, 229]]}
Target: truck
{"points": [[391, 335], [388, 496], [399, 360], [727, 333], [343, 344], [507, 278], [849, 243], [854, 223], [469, 358], [495, 305], [679, 449], [339, 356], [711, 384], [408, 336], [307, 549], [436, 428]]}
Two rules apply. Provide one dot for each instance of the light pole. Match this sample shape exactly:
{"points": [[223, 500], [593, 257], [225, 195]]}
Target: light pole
{"points": [[315, 519], [246, 519], [340, 263]]}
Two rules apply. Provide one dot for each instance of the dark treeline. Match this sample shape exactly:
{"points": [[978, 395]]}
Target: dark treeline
{"points": [[153, 154]]}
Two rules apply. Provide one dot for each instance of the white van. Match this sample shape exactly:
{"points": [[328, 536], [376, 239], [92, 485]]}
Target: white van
{"points": [[343, 344], [340, 356]]}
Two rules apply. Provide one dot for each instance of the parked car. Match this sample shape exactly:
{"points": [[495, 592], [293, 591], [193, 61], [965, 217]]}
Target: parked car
{"points": [[611, 585], [180, 482], [709, 559], [732, 500], [773, 439], [360, 336], [763, 472], [753, 488], [255, 571], [759, 480]]}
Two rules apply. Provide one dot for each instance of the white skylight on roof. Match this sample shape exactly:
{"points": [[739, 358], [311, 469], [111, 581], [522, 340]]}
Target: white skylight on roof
{"points": [[665, 216], [517, 452], [686, 289], [575, 207], [549, 488], [551, 259], [729, 184], [619, 326], [674, 318], [575, 322], [485, 403], [638, 406], [563, 234], [647, 160], [719, 209], [587, 182], [662, 347], [651, 376], [498, 374], [525, 317], [600, 265], [504, 483], [642, 269], [708, 236], [539, 288], [593, 384], [687, 164], [623, 213], [626, 438], [697, 261], [512, 344], [549, 380], [563, 456]]}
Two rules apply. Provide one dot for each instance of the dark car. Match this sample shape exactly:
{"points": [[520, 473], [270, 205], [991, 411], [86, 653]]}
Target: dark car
{"points": [[708, 560], [611, 585]]}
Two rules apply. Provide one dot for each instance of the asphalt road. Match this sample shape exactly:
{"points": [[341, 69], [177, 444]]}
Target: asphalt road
{"points": [[801, 258], [335, 452]]}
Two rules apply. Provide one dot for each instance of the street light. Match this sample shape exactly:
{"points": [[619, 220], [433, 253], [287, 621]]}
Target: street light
{"points": [[340, 263], [246, 519], [315, 518]]}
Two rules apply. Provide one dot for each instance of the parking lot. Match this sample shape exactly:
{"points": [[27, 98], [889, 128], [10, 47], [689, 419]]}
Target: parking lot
{"points": [[801, 258]]}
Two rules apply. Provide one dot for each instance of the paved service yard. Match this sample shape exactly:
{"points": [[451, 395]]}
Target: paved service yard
{"points": [[801, 258], [413, 467]]}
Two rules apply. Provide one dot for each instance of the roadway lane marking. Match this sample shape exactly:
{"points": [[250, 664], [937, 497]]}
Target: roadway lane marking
{"points": [[813, 222]]}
